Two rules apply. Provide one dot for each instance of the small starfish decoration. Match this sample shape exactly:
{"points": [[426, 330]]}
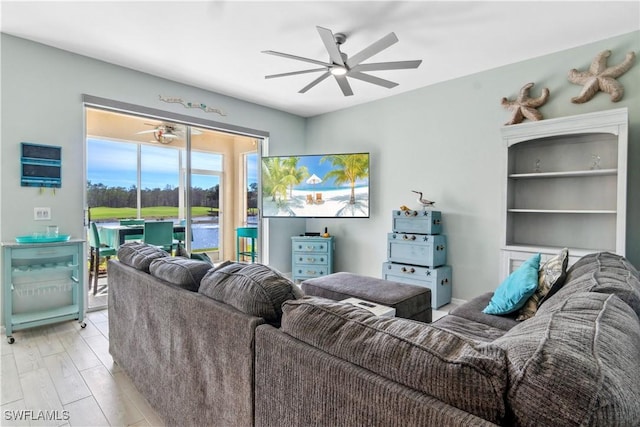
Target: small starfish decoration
{"points": [[524, 106], [599, 77]]}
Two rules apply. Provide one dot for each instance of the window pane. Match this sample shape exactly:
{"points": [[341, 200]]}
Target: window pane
{"points": [[111, 179], [159, 182]]}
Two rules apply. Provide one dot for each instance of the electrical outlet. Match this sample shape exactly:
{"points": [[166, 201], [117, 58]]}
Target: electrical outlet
{"points": [[41, 214]]}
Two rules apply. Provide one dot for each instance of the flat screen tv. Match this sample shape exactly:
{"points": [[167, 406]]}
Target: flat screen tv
{"points": [[316, 186]]}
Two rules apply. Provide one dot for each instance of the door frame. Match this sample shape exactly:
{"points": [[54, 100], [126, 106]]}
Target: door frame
{"points": [[262, 137]]}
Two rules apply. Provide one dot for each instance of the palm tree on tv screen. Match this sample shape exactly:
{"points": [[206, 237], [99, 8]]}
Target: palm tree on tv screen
{"points": [[294, 174], [282, 174], [348, 168]]}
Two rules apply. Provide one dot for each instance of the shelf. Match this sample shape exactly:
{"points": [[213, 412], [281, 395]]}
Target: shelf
{"points": [[566, 174], [23, 318], [563, 211], [566, 203], [576, 252]]}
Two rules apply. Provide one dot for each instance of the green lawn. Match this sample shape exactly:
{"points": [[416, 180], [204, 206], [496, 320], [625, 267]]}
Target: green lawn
{"points": [[102, 213]]}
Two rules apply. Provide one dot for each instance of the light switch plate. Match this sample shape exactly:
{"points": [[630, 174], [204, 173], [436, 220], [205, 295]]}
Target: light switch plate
{"points": [[41, 214]]}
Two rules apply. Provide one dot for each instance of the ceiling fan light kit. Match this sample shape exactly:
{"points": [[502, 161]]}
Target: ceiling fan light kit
{"points": [[342, 66], [166, 133]]}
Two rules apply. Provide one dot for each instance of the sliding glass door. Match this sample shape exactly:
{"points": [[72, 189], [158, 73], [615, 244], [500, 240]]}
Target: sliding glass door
{"points": [[150, 169]]}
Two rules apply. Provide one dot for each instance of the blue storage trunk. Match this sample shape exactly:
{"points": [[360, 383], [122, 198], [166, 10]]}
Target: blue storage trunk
{"points": [[417, 249], [420, 222], [438, 280]]}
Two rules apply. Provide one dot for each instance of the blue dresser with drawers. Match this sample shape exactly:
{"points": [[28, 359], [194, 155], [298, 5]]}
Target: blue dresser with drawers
{"points": [[311, 257], [417, 253]]}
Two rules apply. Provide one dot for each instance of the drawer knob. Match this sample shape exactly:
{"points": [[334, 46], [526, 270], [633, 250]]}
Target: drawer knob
{"points": [[407, 237], [408, 270], [444, 281], [410, 213]]}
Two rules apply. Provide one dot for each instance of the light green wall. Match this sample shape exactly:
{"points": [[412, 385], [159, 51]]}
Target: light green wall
{"points": [[42, 91], [445, 140], [442, 139]]}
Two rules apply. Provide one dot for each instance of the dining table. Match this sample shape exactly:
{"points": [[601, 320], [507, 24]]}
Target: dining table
{"points": [[115, 235]]}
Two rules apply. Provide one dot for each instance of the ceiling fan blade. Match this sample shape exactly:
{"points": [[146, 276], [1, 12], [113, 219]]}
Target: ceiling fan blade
{"points": [[315, 82], [297, 58], [399, 65], [330, 44], [293, 73], [372, 49], [146, 131], [169, 135], [371, 79], [344, 85]]}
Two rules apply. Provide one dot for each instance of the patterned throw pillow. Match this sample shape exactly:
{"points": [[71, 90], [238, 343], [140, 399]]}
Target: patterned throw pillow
{"points": [[550, 278]]}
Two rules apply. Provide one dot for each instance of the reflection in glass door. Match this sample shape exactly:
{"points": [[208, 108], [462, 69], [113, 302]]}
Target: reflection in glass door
{"points": [[206, 204], [206, 215]]}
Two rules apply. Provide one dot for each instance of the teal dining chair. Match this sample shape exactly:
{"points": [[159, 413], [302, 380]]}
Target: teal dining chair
{"points": [[97, 252], [133, 222], [159, 234]]}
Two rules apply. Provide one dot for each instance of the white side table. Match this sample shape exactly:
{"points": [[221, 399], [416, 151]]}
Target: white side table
{"points": [[377, 309]]}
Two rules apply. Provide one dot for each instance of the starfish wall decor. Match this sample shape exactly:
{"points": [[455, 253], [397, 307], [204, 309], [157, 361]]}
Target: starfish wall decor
{"points": [[524, 106], [599, 77]]}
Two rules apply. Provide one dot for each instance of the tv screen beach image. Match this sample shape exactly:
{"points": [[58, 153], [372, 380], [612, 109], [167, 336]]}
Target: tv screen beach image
{"points": [[316, 186]]}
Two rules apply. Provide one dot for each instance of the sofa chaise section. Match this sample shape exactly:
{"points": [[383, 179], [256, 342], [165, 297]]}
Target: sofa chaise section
{"points": [[299, 385]]}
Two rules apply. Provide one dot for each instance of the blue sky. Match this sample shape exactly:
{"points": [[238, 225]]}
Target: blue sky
{"points": [[314, 166], [114, 164]]}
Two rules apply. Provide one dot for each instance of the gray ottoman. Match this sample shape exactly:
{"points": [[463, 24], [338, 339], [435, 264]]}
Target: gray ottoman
{"points": [[410, 302]]}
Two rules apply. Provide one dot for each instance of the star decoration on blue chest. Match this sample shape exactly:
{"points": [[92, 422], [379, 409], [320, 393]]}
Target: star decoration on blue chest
{"points": [[599, 77], [524, 106]]}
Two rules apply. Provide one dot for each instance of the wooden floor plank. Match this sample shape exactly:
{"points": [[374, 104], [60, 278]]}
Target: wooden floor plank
{"points": [[79, 351], [115, 405], [11, 388], [66, 378], [86, 412]]}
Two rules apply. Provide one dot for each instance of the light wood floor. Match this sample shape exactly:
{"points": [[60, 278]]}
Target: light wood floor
{"points": [[67, 373]]}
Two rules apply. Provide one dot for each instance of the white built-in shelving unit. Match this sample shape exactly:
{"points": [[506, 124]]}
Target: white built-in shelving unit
{"points": [[565, 186]]}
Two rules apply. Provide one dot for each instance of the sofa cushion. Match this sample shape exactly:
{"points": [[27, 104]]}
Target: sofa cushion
{"points": [[254, 289], [468, 328], [579, 363], [139, 255], [516, 289], [186, 273], [551, 277], [472, 310], [464, 373], [601, 272]]}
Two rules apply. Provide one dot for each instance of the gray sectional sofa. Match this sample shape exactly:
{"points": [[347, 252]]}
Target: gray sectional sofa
{"points": [[246, 348]]}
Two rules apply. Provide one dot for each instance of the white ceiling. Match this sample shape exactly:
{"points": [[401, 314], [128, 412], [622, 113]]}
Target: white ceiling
{"points": [[216, 45]]}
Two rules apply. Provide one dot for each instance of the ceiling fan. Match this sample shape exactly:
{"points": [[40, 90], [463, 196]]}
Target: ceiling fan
{"points": [[341, 66], [166, 133]]}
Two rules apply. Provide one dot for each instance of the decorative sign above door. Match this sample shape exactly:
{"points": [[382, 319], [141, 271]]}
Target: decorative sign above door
{"points": [[203, 107]]}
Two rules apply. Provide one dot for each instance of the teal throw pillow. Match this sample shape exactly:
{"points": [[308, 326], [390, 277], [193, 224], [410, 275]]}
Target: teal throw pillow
{"points": [[516, 289]]}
